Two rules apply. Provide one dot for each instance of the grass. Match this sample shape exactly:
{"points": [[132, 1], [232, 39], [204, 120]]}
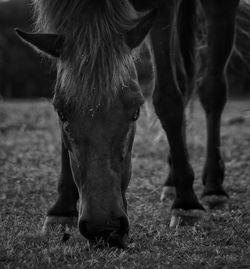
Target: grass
{"points": [[29, 166]]}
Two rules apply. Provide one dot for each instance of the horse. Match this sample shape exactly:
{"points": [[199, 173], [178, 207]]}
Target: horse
{"points": [[98, 99]]}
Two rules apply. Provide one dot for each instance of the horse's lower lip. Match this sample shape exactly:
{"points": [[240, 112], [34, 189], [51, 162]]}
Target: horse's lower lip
{"points": [[113, 240]]}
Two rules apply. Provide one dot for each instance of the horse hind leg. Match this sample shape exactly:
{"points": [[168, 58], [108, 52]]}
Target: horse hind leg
{"points": [[63, 214], [220, 16]]}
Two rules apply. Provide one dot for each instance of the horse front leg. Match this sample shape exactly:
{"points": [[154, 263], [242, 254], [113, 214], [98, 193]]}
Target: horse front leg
{"points": [[169, 105], [168, 190], [64, 212], [220, 16]]}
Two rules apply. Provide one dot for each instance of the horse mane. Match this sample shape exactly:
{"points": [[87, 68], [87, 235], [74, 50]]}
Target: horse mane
{"points": [[96, 61]]}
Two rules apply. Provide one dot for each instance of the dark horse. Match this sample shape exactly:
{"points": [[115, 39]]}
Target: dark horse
{"points": [[98, 99]]}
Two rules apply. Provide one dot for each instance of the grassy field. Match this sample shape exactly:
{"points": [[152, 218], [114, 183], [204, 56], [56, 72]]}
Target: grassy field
{"points": [[30, 163]]}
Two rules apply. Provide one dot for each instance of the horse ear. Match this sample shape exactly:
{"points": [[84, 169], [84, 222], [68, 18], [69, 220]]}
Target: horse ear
{"points": [[50, 44], [135, 36]]}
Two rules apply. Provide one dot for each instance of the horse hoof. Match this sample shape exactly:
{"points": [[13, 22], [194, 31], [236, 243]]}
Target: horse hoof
{"points": [[54, 223], [167, 193], [216, 201], [181, 217]]}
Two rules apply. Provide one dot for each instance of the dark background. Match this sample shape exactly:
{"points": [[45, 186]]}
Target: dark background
{"points": [[24, 74]]}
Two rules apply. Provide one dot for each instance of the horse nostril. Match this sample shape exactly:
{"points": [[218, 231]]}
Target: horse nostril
{"points": [[115, 233], [83, 228]]}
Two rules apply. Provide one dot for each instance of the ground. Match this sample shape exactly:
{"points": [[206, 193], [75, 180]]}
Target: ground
{"points": [[29, 166]]}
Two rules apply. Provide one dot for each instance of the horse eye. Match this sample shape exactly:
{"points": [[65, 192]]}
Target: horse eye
{"points": [[136, 115], [61, 116]]}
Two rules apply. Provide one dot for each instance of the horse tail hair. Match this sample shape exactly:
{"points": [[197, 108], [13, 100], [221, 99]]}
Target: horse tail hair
{"points": [[183, 39], [241, 54]]}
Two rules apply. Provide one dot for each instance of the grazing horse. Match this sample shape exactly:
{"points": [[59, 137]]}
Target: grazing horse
{"points": [[98, 99]]}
